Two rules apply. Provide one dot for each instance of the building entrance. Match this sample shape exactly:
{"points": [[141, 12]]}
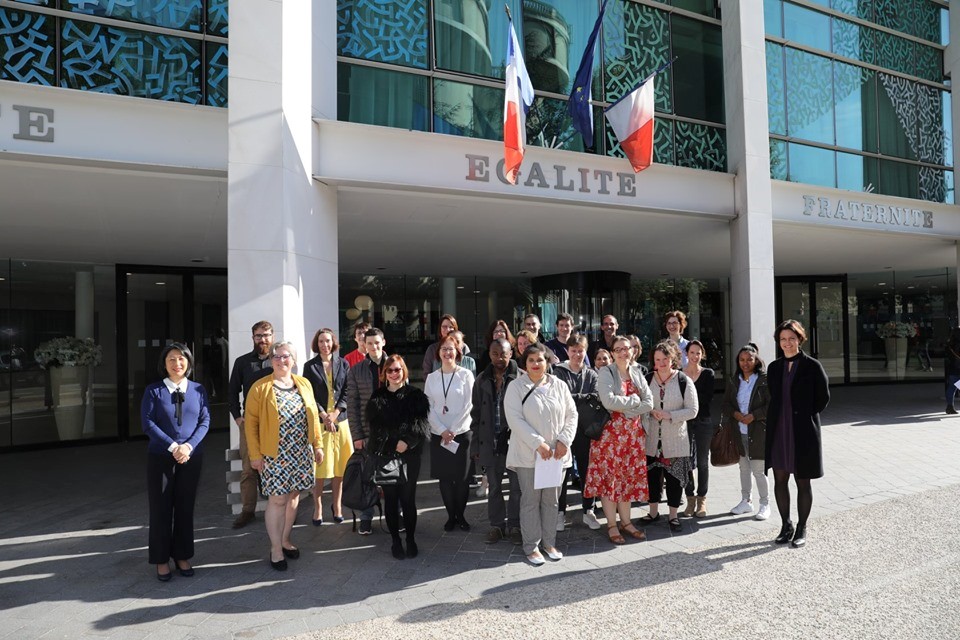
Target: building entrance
{"points": [[820, 304]]}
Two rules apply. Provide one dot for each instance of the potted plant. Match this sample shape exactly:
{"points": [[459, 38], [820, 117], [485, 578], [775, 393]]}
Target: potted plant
{"points": [[895, 335], [68, 360]]}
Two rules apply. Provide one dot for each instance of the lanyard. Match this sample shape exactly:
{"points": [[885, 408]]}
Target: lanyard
{"points": [[446, 387]]}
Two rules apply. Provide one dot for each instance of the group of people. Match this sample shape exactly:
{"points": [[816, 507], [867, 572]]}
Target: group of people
{"points": [[513, 410]]}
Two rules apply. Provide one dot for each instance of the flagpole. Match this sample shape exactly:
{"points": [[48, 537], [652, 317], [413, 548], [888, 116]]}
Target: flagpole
{"points": [[661, 68], [506, 8]]}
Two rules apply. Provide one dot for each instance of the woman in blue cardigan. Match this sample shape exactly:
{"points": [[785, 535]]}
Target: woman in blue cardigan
{"points": [[175, 417]]}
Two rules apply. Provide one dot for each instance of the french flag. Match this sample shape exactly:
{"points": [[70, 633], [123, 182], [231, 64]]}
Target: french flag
{"points": [[631, 118], [516, 103]]}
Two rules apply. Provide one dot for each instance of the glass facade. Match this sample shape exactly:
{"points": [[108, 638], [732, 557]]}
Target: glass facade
{"points": [[188, 65], [862, 107], [456, 90]]}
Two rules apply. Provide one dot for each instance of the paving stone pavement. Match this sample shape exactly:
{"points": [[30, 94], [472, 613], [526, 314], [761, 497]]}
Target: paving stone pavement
{"points": [[73, 558]]}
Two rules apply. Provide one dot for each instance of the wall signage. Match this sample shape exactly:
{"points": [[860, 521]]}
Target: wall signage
{"points": [[34, 123], [866, 214], [556, 177]]}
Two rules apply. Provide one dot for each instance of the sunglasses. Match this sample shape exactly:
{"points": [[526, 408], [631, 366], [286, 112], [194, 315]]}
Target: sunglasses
{"points": [[394, 370]]}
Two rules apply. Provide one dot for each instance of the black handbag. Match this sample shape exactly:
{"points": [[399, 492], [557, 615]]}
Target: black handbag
{"points": [[592, 416], [391, 470]]}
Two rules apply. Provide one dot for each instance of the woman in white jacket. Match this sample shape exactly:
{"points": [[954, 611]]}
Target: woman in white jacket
{"points": [[668, 446], [543, 422]]}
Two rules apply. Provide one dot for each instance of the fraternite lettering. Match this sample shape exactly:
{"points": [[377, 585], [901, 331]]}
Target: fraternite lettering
{"points": [[866, 214], [561, 178]]}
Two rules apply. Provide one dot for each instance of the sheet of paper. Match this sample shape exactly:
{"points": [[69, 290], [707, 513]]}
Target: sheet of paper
{"points": [[452, 447], [957, 384], [547, 473]]}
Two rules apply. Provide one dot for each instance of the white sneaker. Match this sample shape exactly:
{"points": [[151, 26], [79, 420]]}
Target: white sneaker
{"points": [[535, 559], [483, 489], [744, 507], [763, 513], [561, 521], [590, 519]]}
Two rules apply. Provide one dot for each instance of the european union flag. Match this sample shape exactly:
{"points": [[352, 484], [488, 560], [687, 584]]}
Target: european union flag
{"points": [[578, 105]]}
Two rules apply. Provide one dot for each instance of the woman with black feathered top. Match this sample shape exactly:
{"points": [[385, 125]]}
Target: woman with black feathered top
{"points": [[397, 415]]}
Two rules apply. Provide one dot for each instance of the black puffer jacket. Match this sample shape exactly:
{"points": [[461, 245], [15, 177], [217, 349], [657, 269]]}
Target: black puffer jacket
{"points": [[398, 415]]}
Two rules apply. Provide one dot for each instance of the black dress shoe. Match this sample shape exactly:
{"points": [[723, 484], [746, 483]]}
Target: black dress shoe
{"points": [[280, 565], [412, 549], [186, 573], [450, 524], [786, 532], [464, 525], [293, 554], [799, 538], [397, 550], [164, 577]]}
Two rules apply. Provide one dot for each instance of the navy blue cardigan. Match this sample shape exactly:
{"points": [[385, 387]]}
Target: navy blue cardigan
{"points": [[158, 417]]}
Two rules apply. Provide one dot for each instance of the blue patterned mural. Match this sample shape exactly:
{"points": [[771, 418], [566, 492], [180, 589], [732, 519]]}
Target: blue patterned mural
{"points": [[27, 47], [173, 14], [217, 58], [383, 30]]}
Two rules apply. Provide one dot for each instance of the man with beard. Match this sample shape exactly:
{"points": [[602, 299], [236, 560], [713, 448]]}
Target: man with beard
{"points": [[247, 370], [609, 326], [489, 444], [362, 380]]}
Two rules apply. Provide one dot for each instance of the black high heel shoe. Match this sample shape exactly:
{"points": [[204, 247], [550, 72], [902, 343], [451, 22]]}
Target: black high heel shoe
{"points": [[164, 577], [336, 519], [799, 538], [397, 550], [786, 532], [450, 524]]}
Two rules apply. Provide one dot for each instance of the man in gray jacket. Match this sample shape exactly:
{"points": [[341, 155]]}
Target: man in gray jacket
{"points": [[362, 380], [489, 444]]}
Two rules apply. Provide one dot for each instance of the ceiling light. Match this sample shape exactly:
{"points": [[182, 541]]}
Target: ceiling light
{"points": [[881, 284], [476, 290], [461, 287], [160, 283]]}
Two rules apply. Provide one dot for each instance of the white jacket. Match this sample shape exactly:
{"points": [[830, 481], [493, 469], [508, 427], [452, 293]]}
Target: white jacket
{"points": [[549, 415], [458, 401]]}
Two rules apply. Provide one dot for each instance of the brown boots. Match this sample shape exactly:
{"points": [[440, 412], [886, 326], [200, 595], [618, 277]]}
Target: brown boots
{"points": [[701, 508], [691, 506]]}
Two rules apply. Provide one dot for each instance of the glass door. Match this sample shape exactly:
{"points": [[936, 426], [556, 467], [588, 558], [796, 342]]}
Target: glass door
{"points": [[163, 305], [820, 304]]}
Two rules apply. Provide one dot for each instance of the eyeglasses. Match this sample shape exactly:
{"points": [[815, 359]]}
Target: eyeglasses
{"points": [[262, 336], [621, 349], [394, 370], [282, 357], [673, 323], [448, 350]]}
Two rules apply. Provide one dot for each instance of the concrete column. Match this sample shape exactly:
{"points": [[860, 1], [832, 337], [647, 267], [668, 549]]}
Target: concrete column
{"points": [[693, 309], [281, 224], [448, 299], [951, 66], [748, 157]]}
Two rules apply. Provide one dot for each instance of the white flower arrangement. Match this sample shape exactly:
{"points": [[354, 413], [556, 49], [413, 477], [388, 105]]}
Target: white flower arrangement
{"points": [[69, 351], [894, 329]]}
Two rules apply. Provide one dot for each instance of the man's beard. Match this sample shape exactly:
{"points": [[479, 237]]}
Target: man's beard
{"points": [[263, 348]]}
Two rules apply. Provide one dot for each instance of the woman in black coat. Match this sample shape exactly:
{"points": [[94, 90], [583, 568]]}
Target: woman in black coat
{"points": [[397, 415], [799, 391]]}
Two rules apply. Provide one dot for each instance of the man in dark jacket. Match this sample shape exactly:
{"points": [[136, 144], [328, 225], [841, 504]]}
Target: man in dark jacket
{"points": [[608, 326], [362, 380], [489, 444], [247, 370]]}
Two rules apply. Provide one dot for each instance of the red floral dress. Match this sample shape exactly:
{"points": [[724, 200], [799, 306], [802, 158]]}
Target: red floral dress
{"points": [[618, 460]]}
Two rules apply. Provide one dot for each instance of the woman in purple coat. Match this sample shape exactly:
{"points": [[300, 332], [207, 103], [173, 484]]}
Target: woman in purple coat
{"points": [[799, 391]]}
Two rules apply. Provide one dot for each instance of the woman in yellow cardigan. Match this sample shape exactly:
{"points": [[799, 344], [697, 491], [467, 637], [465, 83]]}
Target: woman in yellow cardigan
{"points": [[282, 424]]}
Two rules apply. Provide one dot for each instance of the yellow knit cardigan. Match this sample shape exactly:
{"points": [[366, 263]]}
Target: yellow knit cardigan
{"points": [[261, 418]]}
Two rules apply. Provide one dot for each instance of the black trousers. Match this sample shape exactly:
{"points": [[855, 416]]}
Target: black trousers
{"points": [[655, 477], [581, 454], [172, 494], [404, 497]]}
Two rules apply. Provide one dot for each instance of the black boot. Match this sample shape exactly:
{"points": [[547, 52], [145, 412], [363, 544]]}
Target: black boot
{"points": [[397, 549], [951, 409], [786, 533], [800, 537], [412, 549]]}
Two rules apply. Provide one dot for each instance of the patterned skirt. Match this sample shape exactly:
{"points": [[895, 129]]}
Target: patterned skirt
{"points": [[618, 464], [292, 469]]}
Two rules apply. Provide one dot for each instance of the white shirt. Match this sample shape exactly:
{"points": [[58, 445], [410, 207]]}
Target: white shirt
{"points": [[744, 391], [182, 388], [453, 391]]}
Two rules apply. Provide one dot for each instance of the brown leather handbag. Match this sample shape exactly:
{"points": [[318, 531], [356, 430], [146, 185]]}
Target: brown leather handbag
{"points": [[723, 446]]}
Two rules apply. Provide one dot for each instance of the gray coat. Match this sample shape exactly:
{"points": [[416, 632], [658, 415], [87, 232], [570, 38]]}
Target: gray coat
{"points": [[362, 380], [484, 443], [610, 388]]}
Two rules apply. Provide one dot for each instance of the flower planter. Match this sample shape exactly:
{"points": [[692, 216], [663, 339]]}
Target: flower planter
{"points": [[896, 349], [69, 388]]}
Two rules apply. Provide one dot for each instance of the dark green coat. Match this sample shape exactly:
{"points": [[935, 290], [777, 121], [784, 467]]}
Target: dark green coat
{"points": [[756, 430]]}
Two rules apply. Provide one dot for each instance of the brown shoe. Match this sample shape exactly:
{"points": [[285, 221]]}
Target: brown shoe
{"points": [[691, 506], [701, 511], [494, 536], [245, 518], [515, 536]]}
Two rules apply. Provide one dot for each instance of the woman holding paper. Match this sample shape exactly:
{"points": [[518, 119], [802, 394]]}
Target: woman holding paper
{"points": [[450, 391], [543, 422]]}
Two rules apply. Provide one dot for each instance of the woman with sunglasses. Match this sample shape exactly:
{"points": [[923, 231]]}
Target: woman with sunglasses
{"points": [[282, 423], [397, 414], [668, 445]]}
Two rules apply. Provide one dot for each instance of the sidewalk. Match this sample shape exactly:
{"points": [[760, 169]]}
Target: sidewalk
{"points": [[73, 558]]}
